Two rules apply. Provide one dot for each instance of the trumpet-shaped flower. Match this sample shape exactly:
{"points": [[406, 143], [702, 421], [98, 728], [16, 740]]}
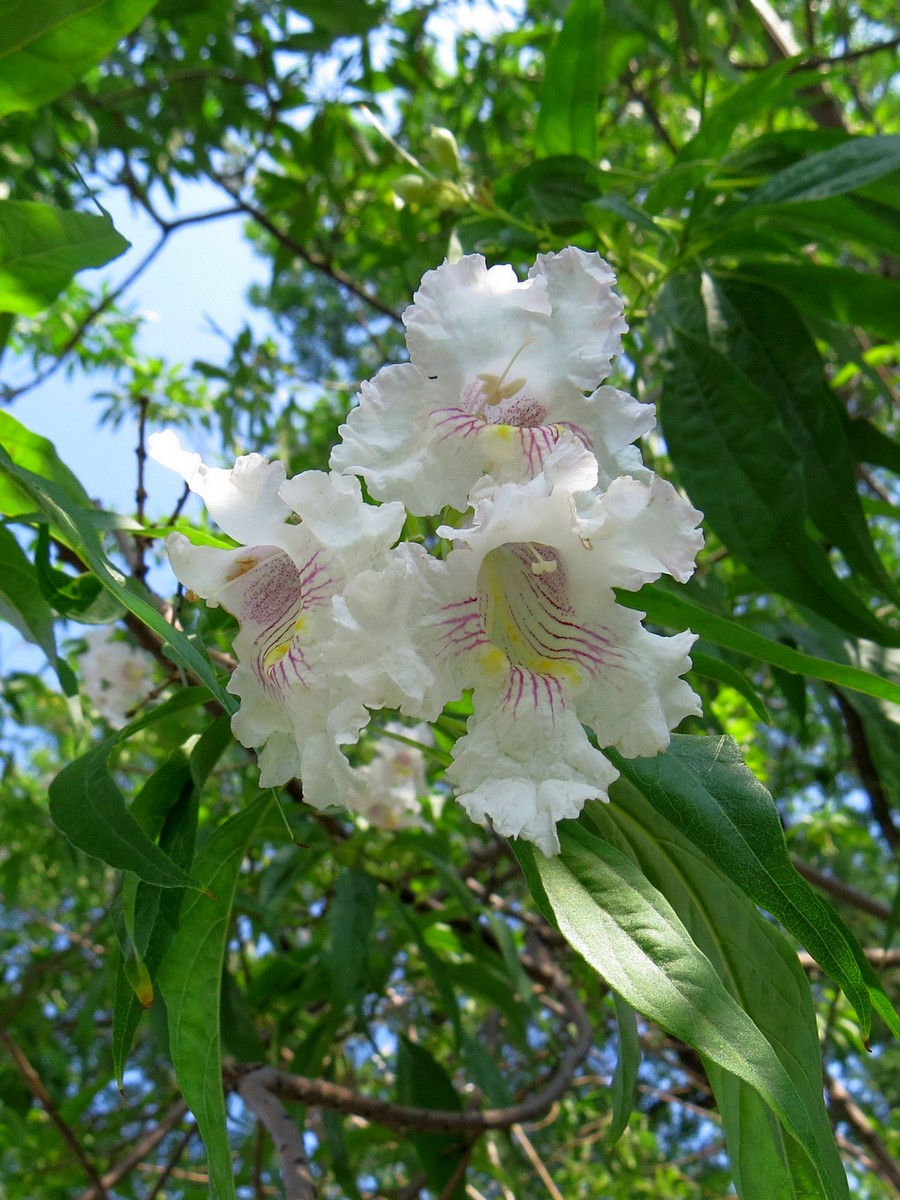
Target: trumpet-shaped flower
{"points": [[499, 369], [280, 585], [523, 612], [394, 782]]}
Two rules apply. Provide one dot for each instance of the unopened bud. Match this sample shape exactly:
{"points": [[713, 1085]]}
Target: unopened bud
{"points": [[443, 149]]}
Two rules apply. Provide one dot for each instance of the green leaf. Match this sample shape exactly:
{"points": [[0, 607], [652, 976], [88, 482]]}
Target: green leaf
{"points": [[21, 602], [702, 786], [78, 531], [190, 979], [764, 336], [626, 929], [89, 809], [738, 464], [37, 455], [42, 247], [350, 917], [839, 294], [567, 117], [624, 1079], [724, 672], [675, 611], [45, 48], [423, 1082], [871, 446], [167, 809], [844, 168]]}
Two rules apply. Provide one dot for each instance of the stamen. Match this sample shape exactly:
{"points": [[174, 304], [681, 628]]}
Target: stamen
{"points": [[541, 566], [495, 389]]}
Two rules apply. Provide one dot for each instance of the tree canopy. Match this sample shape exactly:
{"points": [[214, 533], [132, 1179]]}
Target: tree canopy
{"points": [[369, 834]]}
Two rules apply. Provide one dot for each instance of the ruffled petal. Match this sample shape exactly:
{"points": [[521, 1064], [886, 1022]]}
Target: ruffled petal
{"points": [[527, 769], [243, 501]]}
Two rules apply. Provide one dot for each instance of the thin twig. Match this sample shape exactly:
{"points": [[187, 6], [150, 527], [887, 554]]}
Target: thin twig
{"points": [[534, 1158], [35, 1085], [140, 1151], [845, 1106]]}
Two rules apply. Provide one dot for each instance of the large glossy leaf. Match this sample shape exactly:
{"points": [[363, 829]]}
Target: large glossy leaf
{"points": [[190, 980], [46, 47], [837, 294], [607, 908], [675, 611], [738, 463], [42, 247], [38, 455], [844, 168], [79, 532], [765, 340], [702, 786], [567, 118]]}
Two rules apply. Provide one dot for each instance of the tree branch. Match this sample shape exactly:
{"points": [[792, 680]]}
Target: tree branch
{"points": [[288, 1139], [322, 1093], [844, 1106]]}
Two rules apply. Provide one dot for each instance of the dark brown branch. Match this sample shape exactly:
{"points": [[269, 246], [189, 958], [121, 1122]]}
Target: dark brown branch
{"points": [[140, 1151], [288, 1138], [35, 1085]]}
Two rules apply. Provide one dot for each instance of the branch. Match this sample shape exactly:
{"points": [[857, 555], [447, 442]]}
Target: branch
{"points": [[321, 1093], [883, 959], [288, 1139], [868, 772], [36, 1087]]}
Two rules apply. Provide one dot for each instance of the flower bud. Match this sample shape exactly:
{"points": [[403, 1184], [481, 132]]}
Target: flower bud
{"points": [[443, 149]]}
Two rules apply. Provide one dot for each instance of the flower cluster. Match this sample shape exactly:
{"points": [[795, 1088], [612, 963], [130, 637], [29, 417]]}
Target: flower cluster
{"points": [[501, 425], [117, 678]]}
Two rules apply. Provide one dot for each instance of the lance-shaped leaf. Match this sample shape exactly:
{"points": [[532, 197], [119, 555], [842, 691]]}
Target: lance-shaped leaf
{"points": [[843, 168], [45, 48], [739, 465], [762, 972], [703, 787], [609, 911], [90, 810], [190, 980], [674, 610], [567, 118], [166, 808], [41, 248]]}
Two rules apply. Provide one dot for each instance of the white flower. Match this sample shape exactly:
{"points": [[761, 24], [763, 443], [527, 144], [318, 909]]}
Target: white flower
{"points": [[523, 612], [280, 586], [116, 677], [394, 781], [498, 370]]}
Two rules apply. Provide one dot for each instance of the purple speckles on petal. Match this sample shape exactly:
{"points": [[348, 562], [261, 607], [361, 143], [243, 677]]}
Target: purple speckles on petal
{"points": [[273, 603]]}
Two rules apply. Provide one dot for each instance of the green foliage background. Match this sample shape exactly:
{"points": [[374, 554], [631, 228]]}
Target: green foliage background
{"points": [[165, 925]]}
